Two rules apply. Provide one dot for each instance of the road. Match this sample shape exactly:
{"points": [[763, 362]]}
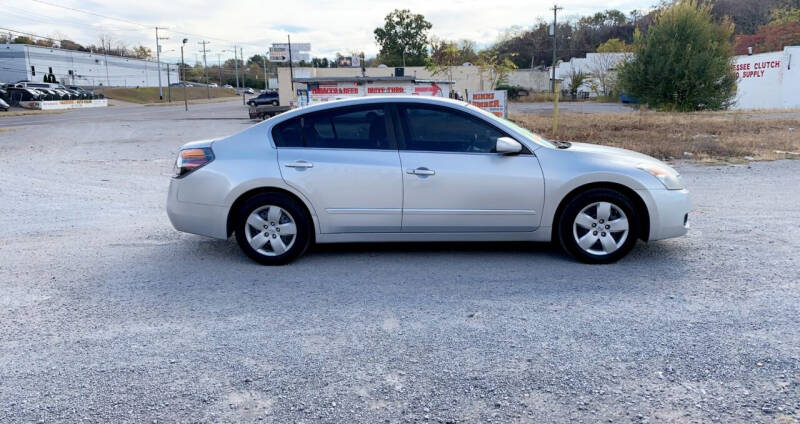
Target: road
{"points": [[107, 314]]}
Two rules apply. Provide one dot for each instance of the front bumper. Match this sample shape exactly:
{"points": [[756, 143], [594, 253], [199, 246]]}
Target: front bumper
{"points": [[196, 218], [669, 210]]}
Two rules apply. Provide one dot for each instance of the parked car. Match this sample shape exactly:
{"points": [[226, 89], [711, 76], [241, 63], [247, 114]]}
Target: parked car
{"points": [[249, 91], [86, 94], [265, 98], [228, 86], [3, 105], [213, 84], [418, 169]]}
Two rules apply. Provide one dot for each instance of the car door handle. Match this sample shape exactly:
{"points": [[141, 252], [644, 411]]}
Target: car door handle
{"points": [[299, 164], [421, 171]]}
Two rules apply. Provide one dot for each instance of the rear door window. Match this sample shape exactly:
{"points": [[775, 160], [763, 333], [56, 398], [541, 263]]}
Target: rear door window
{"points": [[363, 127]]}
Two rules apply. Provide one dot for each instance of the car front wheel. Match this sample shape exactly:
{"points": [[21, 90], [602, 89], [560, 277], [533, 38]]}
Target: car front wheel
{"points": [[273, 229], [598, 226]]}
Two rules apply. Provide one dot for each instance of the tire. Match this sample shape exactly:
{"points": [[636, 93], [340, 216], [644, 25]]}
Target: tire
{"points": [[270, 230], [274, 103], [591, 238]]}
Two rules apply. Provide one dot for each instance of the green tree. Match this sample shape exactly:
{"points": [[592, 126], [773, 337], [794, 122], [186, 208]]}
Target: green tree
{"points": [[142, 52], [614, 45], [683, 62], [403, 39]]}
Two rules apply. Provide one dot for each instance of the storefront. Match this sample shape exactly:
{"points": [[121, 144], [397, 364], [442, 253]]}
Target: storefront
{"points": [[324, 89]]}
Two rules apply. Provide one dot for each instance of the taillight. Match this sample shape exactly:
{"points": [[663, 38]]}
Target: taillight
{"points": [[192, 159]]}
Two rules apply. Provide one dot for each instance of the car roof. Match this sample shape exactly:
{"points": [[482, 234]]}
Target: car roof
{"points": [[443, 101]]}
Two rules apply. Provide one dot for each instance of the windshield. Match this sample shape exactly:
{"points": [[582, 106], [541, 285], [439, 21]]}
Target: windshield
{"points": [[536, 138]]}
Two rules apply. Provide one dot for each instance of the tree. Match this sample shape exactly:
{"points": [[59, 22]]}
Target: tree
{"points": [[614, 45], [403, 39], [142, 52], [683, 62], [783, 16], [769, 38], [22, 39], [495, 66]]}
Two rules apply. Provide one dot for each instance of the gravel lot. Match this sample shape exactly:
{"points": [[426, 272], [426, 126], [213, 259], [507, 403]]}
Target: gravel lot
{"points": [[109, 315]]}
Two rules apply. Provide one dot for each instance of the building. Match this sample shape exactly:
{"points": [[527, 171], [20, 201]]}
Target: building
{"points": [[768, 80], [323, 89], [601, 69], [465, 78], [22, 62]]}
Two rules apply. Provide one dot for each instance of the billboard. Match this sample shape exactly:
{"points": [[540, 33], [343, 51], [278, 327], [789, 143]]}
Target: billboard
{"points": [[279, 52], [324, 92]]}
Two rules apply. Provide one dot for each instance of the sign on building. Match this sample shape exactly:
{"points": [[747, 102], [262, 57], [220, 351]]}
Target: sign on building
{"points": [[328, 91], [492, 101]]}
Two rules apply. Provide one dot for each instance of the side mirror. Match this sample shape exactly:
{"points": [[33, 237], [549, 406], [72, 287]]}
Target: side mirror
{"points": [[508, 146]]}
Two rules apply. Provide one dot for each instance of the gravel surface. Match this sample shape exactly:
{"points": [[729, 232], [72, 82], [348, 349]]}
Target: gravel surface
{"points": [[109, 315]]}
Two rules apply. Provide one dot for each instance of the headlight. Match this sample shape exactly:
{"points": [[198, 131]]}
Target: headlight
{"points": [[666, 175], [192, 159]]}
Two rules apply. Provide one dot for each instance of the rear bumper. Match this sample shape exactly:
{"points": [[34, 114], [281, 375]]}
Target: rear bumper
{"points": [[196, 218], [669, 213]]}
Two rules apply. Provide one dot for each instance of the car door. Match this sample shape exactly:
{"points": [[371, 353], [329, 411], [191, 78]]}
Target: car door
{"points": [[455, 182], [345, 161]]}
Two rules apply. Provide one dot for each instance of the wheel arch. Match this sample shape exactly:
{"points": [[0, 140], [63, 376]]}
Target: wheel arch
{"points": [[264, 190], [638, 203]]}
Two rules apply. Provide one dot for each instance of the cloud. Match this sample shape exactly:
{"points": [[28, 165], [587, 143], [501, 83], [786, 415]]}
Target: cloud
{"points": [[330, 26]]}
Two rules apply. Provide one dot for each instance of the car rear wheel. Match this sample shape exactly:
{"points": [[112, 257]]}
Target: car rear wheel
{"points": [[598, 226], [273, 229], [274, 103]]}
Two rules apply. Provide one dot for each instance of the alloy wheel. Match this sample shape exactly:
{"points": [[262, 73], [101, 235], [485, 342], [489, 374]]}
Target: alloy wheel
{"points": [[270, 230], [601, 228]]}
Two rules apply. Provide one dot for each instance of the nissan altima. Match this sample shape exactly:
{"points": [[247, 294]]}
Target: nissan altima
{"points": [[418, 169]]}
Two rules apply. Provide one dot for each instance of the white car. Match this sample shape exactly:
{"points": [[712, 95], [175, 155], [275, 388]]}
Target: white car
{"points": [[418, 169], [213, 85]]}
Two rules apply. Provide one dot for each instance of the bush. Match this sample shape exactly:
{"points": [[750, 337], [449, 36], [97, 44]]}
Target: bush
{"points": [[684, 61], [514, 91]]}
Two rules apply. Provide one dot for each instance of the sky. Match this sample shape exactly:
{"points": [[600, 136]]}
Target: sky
{"points": [[330, 26]]}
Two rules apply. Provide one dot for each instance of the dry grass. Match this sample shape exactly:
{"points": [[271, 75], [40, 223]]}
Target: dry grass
{"points": [[717, 136], [150, 94], [20, 112]]}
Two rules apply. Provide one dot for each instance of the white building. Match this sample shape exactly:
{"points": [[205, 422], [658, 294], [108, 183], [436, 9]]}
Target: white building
{"points": [[768, 80], [601, 69], [21, 62]]}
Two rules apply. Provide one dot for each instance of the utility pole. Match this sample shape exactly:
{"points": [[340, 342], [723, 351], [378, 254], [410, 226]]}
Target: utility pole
{"points": [[219, 67], [266, 81], [169, 86], [183, 77], [291, 69], [236, 67], [158, 63], [244, 75], [205, 66], [555, 41]]}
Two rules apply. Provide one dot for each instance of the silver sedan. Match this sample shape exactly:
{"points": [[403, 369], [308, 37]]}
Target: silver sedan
{"points": [[417, 169]]}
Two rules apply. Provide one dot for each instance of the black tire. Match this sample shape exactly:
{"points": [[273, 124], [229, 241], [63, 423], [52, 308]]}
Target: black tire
{"points": [[303, 223], [567, 233], [274, 103]]}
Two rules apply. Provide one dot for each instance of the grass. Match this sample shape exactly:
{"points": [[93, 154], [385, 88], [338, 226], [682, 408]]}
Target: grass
{"points": [[704, 136], [20, 112], [147, 95]]}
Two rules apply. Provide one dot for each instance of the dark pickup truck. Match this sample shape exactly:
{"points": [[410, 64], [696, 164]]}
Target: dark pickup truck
{"points": [[265, 98], [266, 111]]}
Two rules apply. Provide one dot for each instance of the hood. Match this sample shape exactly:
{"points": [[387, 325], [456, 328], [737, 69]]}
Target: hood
{"points": [[614, 154]]}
